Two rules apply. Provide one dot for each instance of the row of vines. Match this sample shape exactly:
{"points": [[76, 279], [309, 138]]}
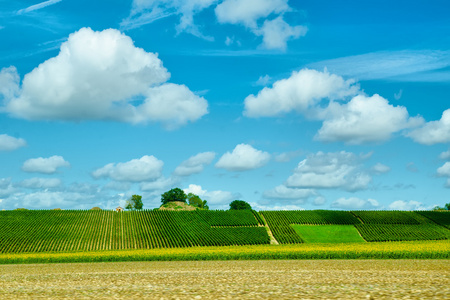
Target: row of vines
{"points": [[395, 232], [56, 230], [44, 231], [373, 226], [439, 217]]}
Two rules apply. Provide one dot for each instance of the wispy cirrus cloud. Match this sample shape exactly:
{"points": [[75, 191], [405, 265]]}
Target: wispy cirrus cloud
{"points": [[263, 18], [406, 65], [37, 6], [148, 11]]}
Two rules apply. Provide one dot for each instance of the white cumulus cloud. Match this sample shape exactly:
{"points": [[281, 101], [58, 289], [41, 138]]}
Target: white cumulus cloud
{"points": [[257, 206], [97, 76], [194, 164], [247, 12], [355, 203], [300, 92], [160, 184], [444, 171], [146, 168], [433, 132], [277, 32], [330, 170], [50, 199], [403, 205], [263, 80], [171, 104], [213, 197], [380, 168], [283, 192], [287, 156], [364, 119], [348, 115], [41, 183], [9, 143], [6, 187], [45, 165], [445, 155], [244, 157], [319, 201], [9, 82]]}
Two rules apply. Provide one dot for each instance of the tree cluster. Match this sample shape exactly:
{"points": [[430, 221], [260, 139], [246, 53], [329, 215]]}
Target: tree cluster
{"points": [[177, 194], [446, 207], [173, 195], [239, 204], [196, 201], [134, 203]]}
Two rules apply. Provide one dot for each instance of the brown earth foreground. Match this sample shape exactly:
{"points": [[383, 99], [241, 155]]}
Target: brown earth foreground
{"points": [[275, 279]]}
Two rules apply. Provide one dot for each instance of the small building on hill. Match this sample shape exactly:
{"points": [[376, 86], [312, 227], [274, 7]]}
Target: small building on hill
{"points": [[119, 209]]}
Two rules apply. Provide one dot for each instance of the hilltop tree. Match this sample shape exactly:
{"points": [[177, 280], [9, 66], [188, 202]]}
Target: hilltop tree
{"points": [[134, 203], [196, 201], [239, 204], [175, 194], [446, 207]]}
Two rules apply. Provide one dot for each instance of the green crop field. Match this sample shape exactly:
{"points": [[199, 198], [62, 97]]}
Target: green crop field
{"points": [[373, 226], [377, 250], [387, 217], [46, 231], [328, 234], [53, 230], [440, 217]]}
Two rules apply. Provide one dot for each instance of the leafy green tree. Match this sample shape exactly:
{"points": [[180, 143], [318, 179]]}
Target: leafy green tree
{"points": [[175, 194], [134, 203], [239, 204], [446, 207], [196, 201]]}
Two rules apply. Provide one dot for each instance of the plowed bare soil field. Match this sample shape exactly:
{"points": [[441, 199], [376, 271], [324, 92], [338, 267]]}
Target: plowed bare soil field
{"points": [[274, 279]]}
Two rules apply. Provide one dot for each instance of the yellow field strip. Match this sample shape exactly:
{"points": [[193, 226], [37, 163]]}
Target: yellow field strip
{"points": [[387, 250]]}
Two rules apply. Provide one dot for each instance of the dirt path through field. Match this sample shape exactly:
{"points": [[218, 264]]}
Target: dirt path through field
{"points": [[318, 279]]}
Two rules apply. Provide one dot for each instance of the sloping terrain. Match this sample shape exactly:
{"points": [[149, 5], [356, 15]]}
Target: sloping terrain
{"points": [[76, 230]]}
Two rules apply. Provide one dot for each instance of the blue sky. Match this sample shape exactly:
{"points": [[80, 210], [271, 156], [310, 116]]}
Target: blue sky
{"points": [[283, 104]]}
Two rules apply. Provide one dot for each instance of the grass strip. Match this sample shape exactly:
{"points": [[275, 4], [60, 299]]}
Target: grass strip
{"points": [[386, 250], [328, 233]]}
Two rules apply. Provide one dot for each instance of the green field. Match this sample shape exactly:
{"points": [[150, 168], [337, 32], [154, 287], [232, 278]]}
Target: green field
{"points": [[328, 233], [44, 231], [57, 230]]}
